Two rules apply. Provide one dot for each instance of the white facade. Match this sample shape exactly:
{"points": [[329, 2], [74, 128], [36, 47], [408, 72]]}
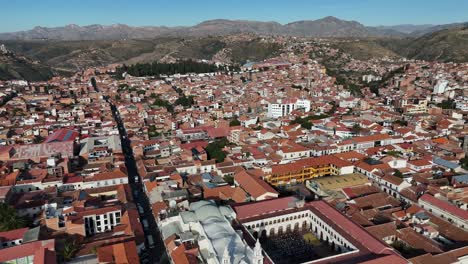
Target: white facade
{"points": [[284, 108], [444, 214], [103, 183], [440, 87], [101, 223], [462, 104], [299, 221]]}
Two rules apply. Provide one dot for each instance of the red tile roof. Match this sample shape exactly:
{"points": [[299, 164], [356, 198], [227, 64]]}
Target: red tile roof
{"points": [[62, 135], [124, 252], [310, 162], [445, 206], [13, 234], [264, 207], [36, 249], [253, 185]]}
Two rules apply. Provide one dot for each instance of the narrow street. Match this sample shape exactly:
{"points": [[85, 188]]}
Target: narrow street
{"points": [[155, 248]]}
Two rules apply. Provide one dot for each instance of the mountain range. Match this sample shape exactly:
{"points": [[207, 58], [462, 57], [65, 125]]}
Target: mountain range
{"points": [[324, 27], [42, 52]]}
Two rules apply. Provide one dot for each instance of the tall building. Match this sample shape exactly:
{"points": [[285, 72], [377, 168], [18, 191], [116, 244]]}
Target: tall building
{"points": [[285, 106]]}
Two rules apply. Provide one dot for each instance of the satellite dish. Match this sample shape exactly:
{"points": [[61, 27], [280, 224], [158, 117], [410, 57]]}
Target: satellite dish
{"points": [[172, 203]]}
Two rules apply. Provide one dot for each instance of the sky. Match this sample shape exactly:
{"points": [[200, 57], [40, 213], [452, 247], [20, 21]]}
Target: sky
{"points": [[19, 15]]}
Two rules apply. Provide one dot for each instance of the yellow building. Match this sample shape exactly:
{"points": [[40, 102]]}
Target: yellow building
{"points": [[309, 168]]}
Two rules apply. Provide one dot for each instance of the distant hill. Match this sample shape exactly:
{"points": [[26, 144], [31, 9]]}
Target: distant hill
{"points": [[448, 45], [445, 45], [224, 45], [334, 27], [325, 27], [435, 28], [407, 28], [20, 67]]}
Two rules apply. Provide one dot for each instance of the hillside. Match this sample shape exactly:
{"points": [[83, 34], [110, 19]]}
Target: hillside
{"points": [[449, 45], [445, 45], [365, 49], [78, 55], [19, 67]]}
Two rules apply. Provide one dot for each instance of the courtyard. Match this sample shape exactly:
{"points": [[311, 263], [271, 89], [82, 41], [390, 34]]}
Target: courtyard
{"points": [[296, 247]]}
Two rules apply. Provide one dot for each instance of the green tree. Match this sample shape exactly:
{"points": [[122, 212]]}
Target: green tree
{"points": [[447, 104], [93, 83], [356, 129], [185, 101], [394, 153], [397, 173], [215, 149], [235, 122], [401, 122], [464, 163], [69, 250], [9, 219]]}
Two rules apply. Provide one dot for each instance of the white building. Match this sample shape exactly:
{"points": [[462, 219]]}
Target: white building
{"points": [[286, 106], [441, 87], [285, 215], [101, 220], [217, 240], [370, 78], [462, 104], [445, 210]]}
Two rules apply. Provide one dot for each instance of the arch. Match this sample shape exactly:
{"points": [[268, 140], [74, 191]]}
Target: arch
{"points": [[288, 228], [280, 230], [296, 226], [263, 234], [272, 231], [255, 234]]}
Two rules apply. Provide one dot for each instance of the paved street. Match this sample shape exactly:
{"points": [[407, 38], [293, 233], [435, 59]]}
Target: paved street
{"points": [[154, 252]]}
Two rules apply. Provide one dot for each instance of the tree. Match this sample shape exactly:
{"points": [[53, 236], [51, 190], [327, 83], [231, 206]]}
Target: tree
{"points": [[38, 139], [401, 122], [397, 173], [356, 129], [464, 163], [9, 219], [447, 104], [185, 101], [157, 68], [234, 122], [93, 83], [215, 149], [69, 249], [394, 153]]}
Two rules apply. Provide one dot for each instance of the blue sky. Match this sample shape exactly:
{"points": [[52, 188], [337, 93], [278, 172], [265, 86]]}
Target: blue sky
{"points": [[25, 14]]}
